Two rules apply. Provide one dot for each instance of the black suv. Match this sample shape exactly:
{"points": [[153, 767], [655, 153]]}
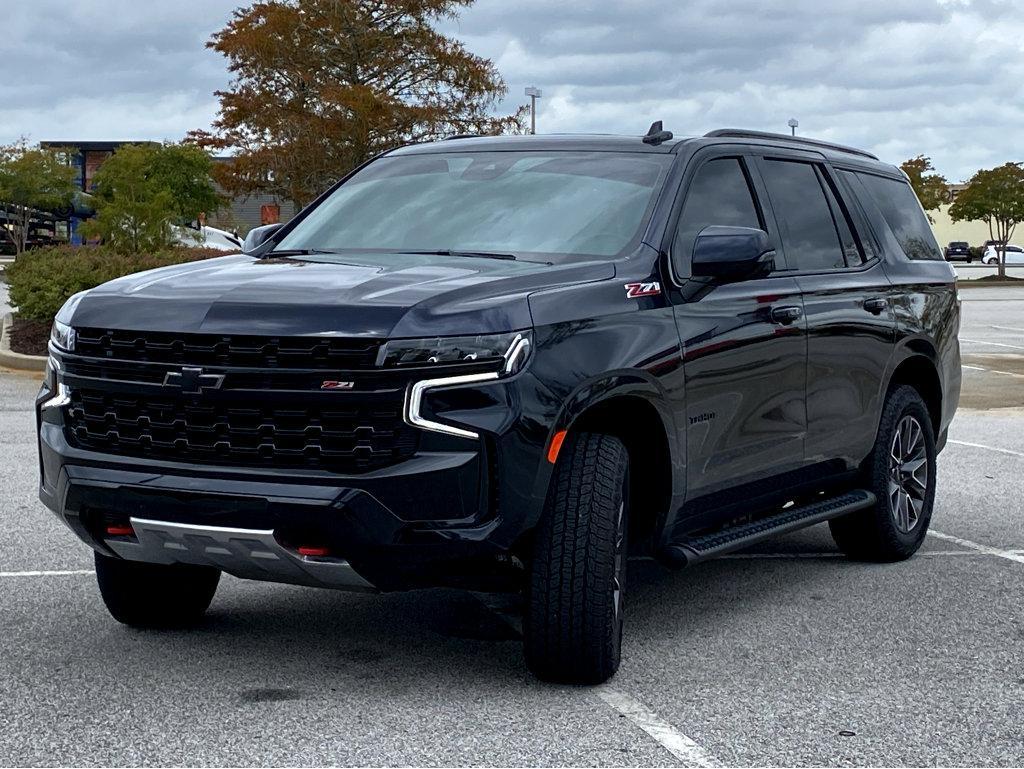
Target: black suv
{"points": [[958, 249], [503, 363]]}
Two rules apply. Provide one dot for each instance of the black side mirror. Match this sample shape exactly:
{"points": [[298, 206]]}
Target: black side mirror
{"points": [[258, 236], [729, 254]]}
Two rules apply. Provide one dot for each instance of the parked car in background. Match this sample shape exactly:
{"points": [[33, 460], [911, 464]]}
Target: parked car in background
{"points": [[1014, 254], [958, 250], [208, 237]]}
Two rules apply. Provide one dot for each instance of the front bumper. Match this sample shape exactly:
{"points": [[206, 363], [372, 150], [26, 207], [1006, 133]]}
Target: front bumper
{"points": [[452, 517]]}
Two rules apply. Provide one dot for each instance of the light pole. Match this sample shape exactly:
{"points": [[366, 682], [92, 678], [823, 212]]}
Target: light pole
{"points": [[534, 94], [793, 125]]}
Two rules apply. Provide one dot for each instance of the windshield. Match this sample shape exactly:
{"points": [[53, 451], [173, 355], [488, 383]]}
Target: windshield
{"points": [[517, 203]]}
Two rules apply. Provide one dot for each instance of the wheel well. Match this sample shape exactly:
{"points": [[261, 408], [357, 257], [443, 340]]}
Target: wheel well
{"points": [[919, 372], [639, 426]]}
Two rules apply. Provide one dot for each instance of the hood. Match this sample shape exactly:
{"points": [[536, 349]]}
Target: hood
{"points": [[372, 295]]}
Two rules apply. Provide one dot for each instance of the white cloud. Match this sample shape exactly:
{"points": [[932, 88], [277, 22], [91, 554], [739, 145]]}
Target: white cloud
{"points": [[901, 77]]}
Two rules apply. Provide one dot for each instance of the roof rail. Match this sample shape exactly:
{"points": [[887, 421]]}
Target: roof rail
{"points": [[461, 136], [740, 133]]}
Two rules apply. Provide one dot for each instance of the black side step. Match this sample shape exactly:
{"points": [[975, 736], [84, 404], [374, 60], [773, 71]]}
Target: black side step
{"points": [[696, 549]]}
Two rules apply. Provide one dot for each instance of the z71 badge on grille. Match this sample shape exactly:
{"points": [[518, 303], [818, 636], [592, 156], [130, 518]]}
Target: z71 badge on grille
{"points": [[331, 384], [636, 290]]}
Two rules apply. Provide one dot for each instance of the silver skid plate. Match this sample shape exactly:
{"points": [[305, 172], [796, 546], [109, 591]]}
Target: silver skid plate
{"points": [[246, 553]]}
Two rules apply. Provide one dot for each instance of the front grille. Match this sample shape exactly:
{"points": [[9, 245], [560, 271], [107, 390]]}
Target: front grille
{"points": [[295, 352], [361, 432]]}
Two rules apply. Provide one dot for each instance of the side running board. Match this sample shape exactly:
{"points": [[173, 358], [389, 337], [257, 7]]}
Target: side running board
{"points": [[701, 548]]}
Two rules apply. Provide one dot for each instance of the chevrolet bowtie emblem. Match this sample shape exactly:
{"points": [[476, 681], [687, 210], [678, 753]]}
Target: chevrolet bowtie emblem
{"points": [[193, 381]]}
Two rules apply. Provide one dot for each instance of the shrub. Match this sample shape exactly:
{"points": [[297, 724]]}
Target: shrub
{"points": [[41, 281]]}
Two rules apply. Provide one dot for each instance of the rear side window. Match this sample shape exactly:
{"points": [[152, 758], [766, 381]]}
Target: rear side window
{"points": [[815, 234], [719, 194], [902, 212]]}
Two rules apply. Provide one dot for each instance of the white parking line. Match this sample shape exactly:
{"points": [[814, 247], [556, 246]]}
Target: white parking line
{"points": [[993, 371], [1011, 452], [1010, 555], [682, 748], [811, 556], [1008, 328], [992, 344], [69, 573], [685, 750]]}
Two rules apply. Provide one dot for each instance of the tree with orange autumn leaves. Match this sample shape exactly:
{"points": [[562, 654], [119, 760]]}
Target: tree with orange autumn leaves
{"points": [[319, 86]]}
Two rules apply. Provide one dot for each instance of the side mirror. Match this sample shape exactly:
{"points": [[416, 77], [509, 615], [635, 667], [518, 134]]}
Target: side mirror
{"points": [[258, 236], [730, 254]]}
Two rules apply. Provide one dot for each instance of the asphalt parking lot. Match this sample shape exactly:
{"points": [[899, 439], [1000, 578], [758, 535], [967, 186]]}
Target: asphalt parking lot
{"points": [[787, 654]]}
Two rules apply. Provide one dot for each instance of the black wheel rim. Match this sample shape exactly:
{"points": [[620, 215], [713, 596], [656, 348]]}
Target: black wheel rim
{"points": [[908, 474]]}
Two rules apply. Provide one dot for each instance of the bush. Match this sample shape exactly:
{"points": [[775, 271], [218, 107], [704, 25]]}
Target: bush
{"points": [[41, 281]]}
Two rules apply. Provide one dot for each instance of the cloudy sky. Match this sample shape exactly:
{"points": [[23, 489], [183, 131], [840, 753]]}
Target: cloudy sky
{"points": [[943, 78]]}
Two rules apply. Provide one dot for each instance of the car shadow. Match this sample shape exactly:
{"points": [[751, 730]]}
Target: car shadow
{"points": [[319, 641]]}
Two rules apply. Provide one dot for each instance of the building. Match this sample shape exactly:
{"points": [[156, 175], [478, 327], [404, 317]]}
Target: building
{"points": [[243, 213], [974, 233], [240, 214]]}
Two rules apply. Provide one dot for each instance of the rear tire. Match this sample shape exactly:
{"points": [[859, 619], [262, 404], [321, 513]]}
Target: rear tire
{"points": [[901, 474], [154, 595], [573, 627]]}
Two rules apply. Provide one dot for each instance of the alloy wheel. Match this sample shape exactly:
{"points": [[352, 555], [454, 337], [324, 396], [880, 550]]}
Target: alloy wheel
{"points": [[908, 474], [620, 559]]}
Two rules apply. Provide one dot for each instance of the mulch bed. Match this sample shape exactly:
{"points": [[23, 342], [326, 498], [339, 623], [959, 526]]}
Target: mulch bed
{"points": [[995, 279], [29, 336]]}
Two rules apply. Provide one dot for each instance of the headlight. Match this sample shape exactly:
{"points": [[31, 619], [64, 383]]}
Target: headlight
{"points": [[507, 352], [63, 336]]}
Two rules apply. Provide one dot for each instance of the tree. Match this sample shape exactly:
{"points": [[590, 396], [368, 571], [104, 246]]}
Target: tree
{"points": [[143, 189], [31, 181], [996, 197], [320, 86], [932, 189]]}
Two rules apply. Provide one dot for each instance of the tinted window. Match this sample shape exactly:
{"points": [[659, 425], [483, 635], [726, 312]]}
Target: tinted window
{"points": [[899, 206], [593, 203], [840, 217], [809, 231], [719, 194]]}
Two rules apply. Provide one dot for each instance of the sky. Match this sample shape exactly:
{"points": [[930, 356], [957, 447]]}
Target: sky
{"points": [[943, 78]]}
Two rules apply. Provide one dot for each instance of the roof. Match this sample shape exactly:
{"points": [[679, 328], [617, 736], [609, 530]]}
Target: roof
{"points": [[836, 153], [92, 146]]}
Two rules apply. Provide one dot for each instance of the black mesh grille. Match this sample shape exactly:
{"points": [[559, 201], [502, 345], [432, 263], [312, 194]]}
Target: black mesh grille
{"points": [[363, 433], [228, 350]]}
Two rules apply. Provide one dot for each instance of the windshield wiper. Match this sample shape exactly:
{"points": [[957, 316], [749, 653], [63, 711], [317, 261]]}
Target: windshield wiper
{"points": [[297, 252], [458, 252]]}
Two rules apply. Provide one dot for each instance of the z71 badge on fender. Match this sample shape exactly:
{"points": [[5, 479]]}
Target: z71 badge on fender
{"points": [[636, 290]]}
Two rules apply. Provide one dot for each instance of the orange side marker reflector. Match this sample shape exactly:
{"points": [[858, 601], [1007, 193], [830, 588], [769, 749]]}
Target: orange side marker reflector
{"points": [[316, 552], [120, 531], [556, 445]]}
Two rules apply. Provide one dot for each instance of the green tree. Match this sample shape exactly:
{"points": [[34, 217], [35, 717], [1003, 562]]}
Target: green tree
{"points": [[322, 85], [145, 189], [994, 196], [932, 189], [32, 180]]}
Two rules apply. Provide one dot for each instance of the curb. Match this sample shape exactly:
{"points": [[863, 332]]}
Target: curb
{"points": [[17, 360], [977, 283]]}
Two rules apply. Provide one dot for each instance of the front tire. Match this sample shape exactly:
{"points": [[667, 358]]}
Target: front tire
{"points": [[573, 627], [901, 473], [153, 595]]}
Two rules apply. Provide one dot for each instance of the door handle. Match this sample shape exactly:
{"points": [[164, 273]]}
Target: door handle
{"points": [[786, 315], [876, 304]]}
